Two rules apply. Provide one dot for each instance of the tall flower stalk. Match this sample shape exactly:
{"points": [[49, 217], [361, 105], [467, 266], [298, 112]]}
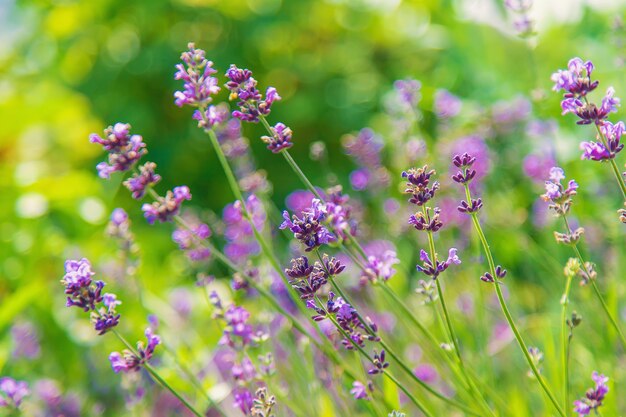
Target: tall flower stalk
{"points": [[560, 199], [471, 206], [577, 83]]}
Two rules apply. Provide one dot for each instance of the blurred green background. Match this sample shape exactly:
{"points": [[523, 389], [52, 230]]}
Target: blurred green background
{"points": [[70, 68]]}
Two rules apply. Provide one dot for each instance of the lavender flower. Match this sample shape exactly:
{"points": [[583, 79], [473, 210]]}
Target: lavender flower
{"points": [[244, 400], [81, 290], [379, 267], [309, 229], [596, 151], [359, 391], [242, 86], [165, 208], [237, 332], [434, 269], [128, 361], [280, 139], [190, 241], [379, 362], [196, 73], [85, 293], [418, 185], [446, 105], [500, 274], [212, 116], [263, 404], [25, 341], [576, 79], [307, 279], [124, 150], [594, 397], [557, 194], [12, 392], [239, 233], [408, 92], [139, 183], [119, 228], [428, 221]]}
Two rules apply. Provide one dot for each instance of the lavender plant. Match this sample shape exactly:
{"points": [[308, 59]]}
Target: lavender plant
{"points": [[316, 284]]}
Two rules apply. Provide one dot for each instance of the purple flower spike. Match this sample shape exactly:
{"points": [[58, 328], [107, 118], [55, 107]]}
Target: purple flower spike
{"points": [[433, 270], [123, 149], [309, 229], [165, 208], [128, 361], [12, 392], [576, 80], [558, 195], [594, 397], [417, 185], [380, 267], [138, 183], [251, 104], [359, 391], [280, 139], [196, 73], [596, 151], [190, 241], [447, 105]]}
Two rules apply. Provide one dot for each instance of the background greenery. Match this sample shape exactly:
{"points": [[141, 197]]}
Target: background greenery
{"points": [[70, 68]]}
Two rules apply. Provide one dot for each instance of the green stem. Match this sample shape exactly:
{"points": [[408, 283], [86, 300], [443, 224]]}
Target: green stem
{"points": [[474, 390], [385, 371], [506, 312], [167, 386], [565, 342], [596, 290], [156, 375]]}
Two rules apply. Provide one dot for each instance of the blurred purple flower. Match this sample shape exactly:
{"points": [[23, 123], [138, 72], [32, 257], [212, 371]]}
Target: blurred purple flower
{"points": [[12, 392], [25, 341], [446, 105]]}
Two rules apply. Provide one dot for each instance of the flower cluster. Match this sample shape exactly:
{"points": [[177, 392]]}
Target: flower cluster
{"points": [[500, 274], [559, 196], [12, 393], [252, 105], [522, 22], [263, 404], [190, 240], [124, 152], [280, 139], [132, 361], [239, 336], [199, 85], [433, 269], [446, 104], [119, 228], [594, 396], [309, 229], [83, 292], [124, 149], [427, 220], [597, 151], [379, 267], [418, 185], [239, 231], [165, 208], [576, 82], [365, 148], [308, 278], [139, 182]]}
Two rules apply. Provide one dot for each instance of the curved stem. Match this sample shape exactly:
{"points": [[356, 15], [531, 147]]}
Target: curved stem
{"points": [[474, 390], [507, 313]]}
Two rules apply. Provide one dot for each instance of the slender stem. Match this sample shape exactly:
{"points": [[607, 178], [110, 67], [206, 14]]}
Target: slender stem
{"points": [[310, 186], [448, 321], [167, 386], [156, 376], [385, 371], [565, 343], [596, 290], [506, 312]]}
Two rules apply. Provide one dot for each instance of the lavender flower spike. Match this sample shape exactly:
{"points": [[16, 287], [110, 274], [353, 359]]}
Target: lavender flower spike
{"points": [[309, 229], [280, 139], [128, 361], [196, 73], [165, 208], [594, 397], [124, 150], [558, 195], [251, 104], [12, 392]]}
